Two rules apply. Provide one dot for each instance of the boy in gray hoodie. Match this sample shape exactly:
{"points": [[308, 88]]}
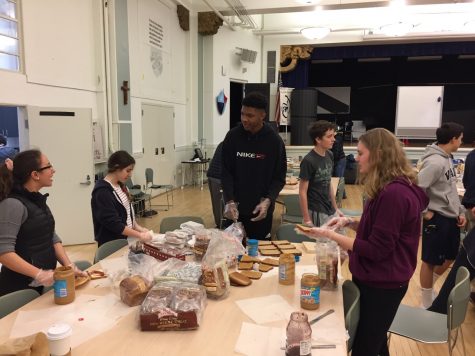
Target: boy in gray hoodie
{"points": [[445, 214]]}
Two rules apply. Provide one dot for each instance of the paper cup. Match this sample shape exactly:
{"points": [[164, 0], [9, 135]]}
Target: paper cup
{"points": [[59, 339]]}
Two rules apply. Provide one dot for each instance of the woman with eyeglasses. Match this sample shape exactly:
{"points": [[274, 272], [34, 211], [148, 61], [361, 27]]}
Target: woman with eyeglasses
{"points": [[112, 211], [29, 245]]}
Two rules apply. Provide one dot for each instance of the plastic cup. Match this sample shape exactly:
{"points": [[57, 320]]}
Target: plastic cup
{"points": [[59, 339]]}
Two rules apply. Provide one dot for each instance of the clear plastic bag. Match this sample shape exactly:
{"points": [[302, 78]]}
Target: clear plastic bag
{"points": [[327, 264]]}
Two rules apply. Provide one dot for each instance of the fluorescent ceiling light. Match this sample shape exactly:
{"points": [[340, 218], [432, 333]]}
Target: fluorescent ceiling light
{"points": [[315, 33], [396, 29]]}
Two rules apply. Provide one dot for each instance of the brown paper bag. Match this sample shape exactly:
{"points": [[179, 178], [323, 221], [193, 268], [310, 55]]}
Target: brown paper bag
{"points": [[33, 345]]}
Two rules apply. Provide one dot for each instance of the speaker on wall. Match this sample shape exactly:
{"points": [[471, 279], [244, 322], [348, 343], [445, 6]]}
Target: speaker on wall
{"points": [[247, 55]]}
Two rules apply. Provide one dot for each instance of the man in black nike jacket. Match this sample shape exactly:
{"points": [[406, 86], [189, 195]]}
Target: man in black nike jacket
{"points": [[254, 165]]}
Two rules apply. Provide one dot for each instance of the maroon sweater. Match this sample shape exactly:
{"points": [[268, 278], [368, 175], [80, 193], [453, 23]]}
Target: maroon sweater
{"points": [[385, 250]]}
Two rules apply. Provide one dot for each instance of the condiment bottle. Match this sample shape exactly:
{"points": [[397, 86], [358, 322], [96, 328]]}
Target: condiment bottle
{"points": [[310, 291], [299, 335], [252, 245], [64, 292], [286, 269]]}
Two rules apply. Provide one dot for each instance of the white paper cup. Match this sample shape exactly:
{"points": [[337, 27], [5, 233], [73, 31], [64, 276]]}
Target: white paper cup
{"points": [[59, 339]]}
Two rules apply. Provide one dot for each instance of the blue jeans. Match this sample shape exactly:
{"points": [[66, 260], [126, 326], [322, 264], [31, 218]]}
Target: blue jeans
{"points": [[339, 169]]}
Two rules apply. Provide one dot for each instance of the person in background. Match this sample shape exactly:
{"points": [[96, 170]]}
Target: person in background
{"points": [[214, 184], [445, 215], [339, 157], [112, 212], [468, 199], [5, 151], [29, 245], [254, 166], [316, 195], [383, 256]]}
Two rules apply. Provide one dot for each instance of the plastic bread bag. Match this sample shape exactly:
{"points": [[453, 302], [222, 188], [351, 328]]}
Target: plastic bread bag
{"points": [[173, 306], [178, 270], [237, 230], [327, 264], [225, 245], [191, 227]]}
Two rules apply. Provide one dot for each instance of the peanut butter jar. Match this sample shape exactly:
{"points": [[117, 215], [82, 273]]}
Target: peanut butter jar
{"points": [[310, 291], [64, 292]]}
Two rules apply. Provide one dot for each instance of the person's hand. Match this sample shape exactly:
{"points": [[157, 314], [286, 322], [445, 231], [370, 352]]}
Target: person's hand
{"points": [[43, 278], [145, 236], [316, 232], [77, 271], [339, 213], [338, 222], [428, 215], [461, 220], [261, 209], [231, 211], [307, 222], [9, 164]]}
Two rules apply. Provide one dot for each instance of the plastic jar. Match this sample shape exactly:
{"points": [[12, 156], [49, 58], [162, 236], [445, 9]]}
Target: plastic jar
{"points": [[252, 247], [287, 269], [64, 292], [310, 291]]}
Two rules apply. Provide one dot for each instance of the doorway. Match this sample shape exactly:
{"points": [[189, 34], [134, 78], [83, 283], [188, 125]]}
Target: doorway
{"points": [[236, 95], [9, 131]]}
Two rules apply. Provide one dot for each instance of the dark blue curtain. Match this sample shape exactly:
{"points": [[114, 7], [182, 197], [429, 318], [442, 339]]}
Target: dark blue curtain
{"points": [[298, 78]]}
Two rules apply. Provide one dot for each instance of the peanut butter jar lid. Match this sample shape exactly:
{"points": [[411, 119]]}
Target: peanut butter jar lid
{"points": [[59, 331]]}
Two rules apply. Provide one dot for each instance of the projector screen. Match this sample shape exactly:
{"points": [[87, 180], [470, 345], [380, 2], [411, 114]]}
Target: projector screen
{"points": [[418, 111]]}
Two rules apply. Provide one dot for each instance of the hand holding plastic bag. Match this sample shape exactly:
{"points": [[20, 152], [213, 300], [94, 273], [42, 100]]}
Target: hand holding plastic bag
{"points": [[146, 236], [43, 278], [337, 222], [231, 211], [261, 209]]}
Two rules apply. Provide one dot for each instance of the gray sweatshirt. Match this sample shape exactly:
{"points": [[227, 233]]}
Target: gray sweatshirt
{"points": [[437, 176]]}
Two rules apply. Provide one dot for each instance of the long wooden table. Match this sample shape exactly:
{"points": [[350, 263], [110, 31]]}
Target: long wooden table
{"points": [[218, 332]]}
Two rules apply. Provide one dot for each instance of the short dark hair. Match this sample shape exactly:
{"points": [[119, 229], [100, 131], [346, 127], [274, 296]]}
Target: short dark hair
{"points": [[319, 128], [3, 140], [255, 100], [119, 160], [448, 131]]}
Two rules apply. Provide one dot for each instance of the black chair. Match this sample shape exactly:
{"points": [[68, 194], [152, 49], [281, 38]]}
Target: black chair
{"points": [[151, 186], [138, 197]]}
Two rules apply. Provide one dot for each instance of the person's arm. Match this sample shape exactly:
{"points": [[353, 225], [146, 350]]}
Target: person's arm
{"points": [[61, 255], [333, 200], [280, 171], [303, 201], [17, 264], [227, 170]]}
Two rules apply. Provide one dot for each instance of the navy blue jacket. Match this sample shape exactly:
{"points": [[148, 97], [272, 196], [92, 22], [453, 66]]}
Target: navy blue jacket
{"points": [[108, 214]]}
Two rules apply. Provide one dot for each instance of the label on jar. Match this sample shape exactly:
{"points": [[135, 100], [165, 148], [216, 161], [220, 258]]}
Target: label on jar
{"points": [[310, 295], [60, 288], [283, 272], [306, 347]]}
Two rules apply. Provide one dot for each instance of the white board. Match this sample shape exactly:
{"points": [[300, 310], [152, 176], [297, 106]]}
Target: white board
{"points": [[418, 111]]}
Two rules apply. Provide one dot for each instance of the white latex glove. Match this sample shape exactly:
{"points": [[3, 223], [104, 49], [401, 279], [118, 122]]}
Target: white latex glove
{"points": [[146, 236], [231, 211], [77, 271], [261, 209], [43, 278], [337, 222]]}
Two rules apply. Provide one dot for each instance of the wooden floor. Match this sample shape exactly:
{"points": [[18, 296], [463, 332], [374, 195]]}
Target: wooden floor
{"points": [[193, 201]]}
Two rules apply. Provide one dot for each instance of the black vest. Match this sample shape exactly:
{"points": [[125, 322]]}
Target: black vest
{"points": [[34, 241]]}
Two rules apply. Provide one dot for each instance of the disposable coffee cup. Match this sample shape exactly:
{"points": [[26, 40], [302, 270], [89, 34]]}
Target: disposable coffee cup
{"points": [[59, 339]]}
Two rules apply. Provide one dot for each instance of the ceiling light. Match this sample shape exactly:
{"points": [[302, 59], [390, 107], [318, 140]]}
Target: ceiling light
{"points": [[397, 29], [315, 33]]}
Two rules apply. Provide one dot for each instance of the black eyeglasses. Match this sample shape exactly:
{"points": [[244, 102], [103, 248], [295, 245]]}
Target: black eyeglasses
{"points": [[49, 166]]}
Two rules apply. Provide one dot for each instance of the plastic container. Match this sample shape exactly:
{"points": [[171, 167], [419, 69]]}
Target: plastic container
{"points": [[64, 286], [310, 291], [287, 269], [252, 247], [299, 335], [59, 339]]}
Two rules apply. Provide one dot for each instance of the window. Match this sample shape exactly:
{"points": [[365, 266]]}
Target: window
{"points": [[9, 35]]}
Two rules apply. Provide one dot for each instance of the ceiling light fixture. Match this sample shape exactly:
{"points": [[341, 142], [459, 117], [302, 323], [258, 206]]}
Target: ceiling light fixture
{"points": [[307, 2], [315, 33], [397, 29]]}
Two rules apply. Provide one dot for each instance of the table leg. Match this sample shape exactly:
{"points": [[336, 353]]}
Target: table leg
{"points": [[202, 172], [182, 176]]}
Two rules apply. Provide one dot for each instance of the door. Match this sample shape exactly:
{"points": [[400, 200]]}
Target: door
{"points": [[158, 135], [65, 136]]}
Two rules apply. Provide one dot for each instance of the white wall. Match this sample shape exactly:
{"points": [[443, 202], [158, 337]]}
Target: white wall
{"points": [[220, 53], [63, 67]]}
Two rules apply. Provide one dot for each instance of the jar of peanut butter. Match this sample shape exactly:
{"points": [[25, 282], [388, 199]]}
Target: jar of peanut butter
{"points": [[287, 269], [64, 292], [310, 291]]}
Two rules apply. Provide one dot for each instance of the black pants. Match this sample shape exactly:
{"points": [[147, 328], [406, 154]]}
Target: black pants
{"points": [[440, 303], [257, 229], [377, 310]]}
